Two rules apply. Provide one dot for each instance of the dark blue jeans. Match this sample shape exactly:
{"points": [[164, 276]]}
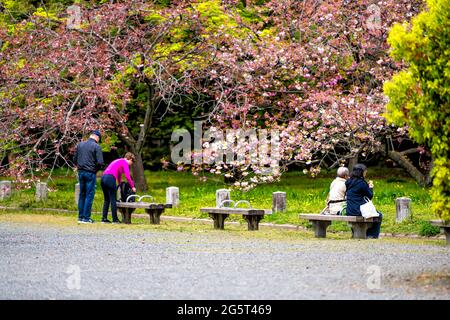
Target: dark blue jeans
{"points": [[109, 188], [374, 230], [87, 181]]}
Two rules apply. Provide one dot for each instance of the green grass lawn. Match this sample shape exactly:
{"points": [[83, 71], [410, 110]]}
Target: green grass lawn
{"points": [[304, 195]]}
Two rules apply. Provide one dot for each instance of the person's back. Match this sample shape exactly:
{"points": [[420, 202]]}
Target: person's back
{"points": [[336, 197], [357, 190], [117, 168], [88, 156], [111, 176]]}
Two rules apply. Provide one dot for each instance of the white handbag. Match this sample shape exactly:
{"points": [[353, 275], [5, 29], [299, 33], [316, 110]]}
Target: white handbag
{"points": [[368, 209]]}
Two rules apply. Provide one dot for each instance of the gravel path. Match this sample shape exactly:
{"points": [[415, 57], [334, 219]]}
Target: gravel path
{"points": [[41, 262]]}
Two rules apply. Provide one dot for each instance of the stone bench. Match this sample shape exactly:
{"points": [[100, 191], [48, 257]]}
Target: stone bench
{"points": [[252, 216], [444, 227], [321, 222], [154, 210]]}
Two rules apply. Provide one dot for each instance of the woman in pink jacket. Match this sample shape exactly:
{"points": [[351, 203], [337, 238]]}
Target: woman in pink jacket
{"points": [[111, 178]]}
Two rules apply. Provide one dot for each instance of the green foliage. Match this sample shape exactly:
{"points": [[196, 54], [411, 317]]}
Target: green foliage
{"points": [[154, 18], [213, 11], [17, 10], [43, 13], [427, 229], [108, 141], [419, 96], [217, 21]]}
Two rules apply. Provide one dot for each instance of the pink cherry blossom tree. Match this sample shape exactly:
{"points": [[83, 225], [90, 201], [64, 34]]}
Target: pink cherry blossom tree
{"points": [[60, 80], [310, 70]]}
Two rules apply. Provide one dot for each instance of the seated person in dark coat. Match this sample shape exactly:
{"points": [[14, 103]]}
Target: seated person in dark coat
{"points": [[357, 190]]}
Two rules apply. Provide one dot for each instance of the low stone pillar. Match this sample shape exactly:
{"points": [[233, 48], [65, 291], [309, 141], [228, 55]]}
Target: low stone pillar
{"points": [[221, 195], [5, 189], [41, 191], [173, 196], [279, 201], [77, 192], [403, 209]]}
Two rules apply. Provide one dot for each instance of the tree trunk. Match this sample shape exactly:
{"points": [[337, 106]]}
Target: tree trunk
{"points": [[138, 173], [11, 158], [406, 164], [428, 176], [352, 162]]}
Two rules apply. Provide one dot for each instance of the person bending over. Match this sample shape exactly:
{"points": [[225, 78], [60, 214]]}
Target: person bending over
{"points": [[111, 178]]}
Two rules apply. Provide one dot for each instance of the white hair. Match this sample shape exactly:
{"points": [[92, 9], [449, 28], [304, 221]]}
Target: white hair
{"points": [[342, 172]]}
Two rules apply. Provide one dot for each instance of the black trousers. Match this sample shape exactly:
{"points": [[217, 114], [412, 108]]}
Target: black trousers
{"points": [[109, 188]]}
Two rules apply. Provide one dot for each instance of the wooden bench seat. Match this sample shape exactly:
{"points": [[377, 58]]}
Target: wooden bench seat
{"points": [[154, 210], [252, 216], [444, 226], [321, 222]]}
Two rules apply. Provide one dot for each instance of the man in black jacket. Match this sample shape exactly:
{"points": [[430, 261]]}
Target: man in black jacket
{"points": [[88, 160]]}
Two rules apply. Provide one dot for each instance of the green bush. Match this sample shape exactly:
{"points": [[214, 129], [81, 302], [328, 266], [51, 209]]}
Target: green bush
{"points": [[419, 96], [427, 229]]}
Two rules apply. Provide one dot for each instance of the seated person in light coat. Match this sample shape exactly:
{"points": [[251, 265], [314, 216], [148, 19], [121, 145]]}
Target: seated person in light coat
{"points": [[336, 197]]}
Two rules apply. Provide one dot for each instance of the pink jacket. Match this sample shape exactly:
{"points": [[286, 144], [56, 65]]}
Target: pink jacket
{"points": [[117, 168]]}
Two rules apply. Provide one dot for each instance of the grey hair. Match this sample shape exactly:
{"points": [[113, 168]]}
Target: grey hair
{"points": [[342, 172], [95, 137]]}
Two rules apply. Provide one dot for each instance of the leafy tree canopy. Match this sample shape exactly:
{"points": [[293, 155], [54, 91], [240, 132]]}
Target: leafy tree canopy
{"points": [[419, 96]]}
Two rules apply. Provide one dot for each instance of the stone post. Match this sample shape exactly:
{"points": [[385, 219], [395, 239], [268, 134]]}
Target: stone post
{"points": [[5, 189], [221, 195], [77, 192], [41, 191], [173, 196], [403, 209], [279, 201]]}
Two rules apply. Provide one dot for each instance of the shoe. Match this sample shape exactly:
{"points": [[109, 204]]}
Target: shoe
{"points": [[81, 221], [88, 221], [106, 221], [116, 222]]}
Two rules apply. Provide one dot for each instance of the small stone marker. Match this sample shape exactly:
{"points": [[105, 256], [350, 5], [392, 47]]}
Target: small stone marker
{"points": [[221, 195], [77, 192], [279, 201], [173, 196], [41, 191], [5, 189], [403, 208]]}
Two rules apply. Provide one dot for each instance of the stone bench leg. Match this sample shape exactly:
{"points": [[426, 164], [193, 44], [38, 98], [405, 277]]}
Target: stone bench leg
{"points": [[359, 229], [126, 215], [219, 220], [320, 228], [253, 221], [154, 215]]}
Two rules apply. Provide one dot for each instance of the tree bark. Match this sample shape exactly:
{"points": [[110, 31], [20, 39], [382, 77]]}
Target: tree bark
{"points": [[138, 167], [136, 145], [352, 162], [428, 176], [138, 173], [406, 164], [11, 158]]}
